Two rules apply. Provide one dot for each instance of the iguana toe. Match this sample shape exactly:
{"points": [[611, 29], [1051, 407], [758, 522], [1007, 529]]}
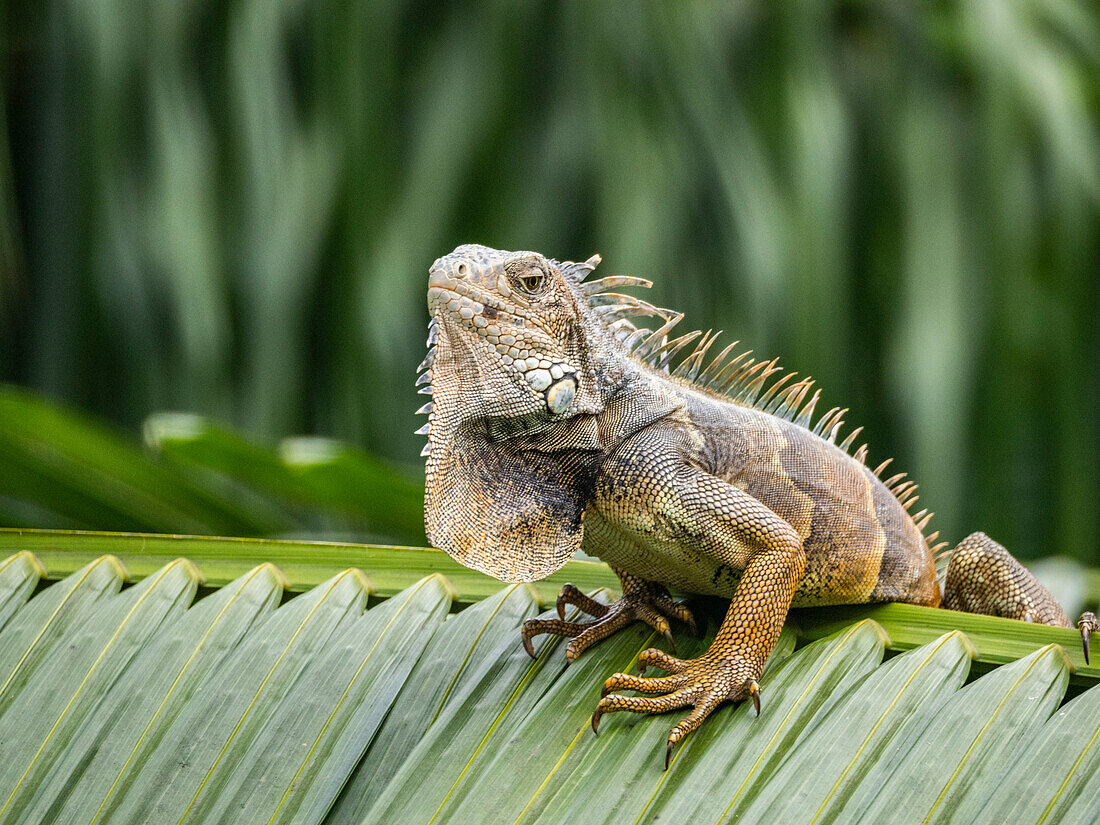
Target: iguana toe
{"points": [[642, 704], [658, 658], [693, 720], [663, 684], [598, 630], [701, 684], [534, 627], [677, 610], [641, 601], [571, 595]]}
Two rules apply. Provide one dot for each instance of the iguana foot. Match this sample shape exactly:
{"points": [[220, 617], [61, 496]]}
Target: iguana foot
{"points": [[1088, 625], [702, 684], [641, 601]]}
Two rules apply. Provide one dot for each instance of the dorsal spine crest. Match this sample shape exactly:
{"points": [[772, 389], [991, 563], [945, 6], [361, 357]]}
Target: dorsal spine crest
{"points": [[756, 383]]}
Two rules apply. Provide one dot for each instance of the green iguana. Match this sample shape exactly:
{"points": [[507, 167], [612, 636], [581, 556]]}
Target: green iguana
{"points": [[557, 425]]}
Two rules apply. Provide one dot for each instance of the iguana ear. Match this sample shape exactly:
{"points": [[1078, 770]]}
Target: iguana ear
{"points": [[506, 510]]}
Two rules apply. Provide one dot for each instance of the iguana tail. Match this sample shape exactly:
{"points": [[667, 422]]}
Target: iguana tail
{"points": [[983, 577]]}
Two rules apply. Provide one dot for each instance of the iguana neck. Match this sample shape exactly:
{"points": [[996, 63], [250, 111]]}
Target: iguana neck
{"points": [[633, 398]]}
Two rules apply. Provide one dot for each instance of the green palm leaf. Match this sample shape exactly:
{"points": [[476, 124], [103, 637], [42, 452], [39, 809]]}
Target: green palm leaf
{"points": [[137, 705], [19, 575], [304, 564], [63, 690], [62, 468], [162, 679]]}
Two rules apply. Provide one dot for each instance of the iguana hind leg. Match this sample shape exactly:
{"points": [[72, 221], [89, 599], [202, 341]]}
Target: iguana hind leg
{"points": [[641, 601], [983, 577]]}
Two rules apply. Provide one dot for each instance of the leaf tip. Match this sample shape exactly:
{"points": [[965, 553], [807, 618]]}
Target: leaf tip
{"points": [[275, 573], [361, 579], [30, 560], [877, 629], [116, 564], [190, 569], [964, 641], [1058, 652], [445, 583]]}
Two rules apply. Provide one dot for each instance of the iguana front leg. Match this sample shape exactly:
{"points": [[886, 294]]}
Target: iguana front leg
{"points": [[641, 601], [696, 508]]}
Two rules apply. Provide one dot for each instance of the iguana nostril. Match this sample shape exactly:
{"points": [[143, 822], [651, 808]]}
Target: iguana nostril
{"points": [[463, 270]]}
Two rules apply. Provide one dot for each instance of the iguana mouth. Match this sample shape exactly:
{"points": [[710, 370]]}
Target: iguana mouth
{"points": [[475, 308], [443, 288]]}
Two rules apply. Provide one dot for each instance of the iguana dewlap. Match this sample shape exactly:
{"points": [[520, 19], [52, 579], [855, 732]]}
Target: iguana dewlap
{"points": [[555, 425]]}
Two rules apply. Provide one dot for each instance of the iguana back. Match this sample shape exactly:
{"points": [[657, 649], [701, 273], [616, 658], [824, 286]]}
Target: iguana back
{"points": [[860, 541]]}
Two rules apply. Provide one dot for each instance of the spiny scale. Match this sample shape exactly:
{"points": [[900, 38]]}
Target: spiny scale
{"points": [[847, 443], [604, 284], [894, 479], [739, 377], [674, 346], [578, 272], [424, 381], [714, 369], [631, 339]]}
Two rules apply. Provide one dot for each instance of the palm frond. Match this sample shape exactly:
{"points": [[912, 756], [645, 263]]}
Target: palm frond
{"points": [[147, 705]]}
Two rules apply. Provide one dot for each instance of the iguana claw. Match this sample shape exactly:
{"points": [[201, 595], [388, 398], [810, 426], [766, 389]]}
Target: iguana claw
{"points": [[1087, 624], [669, 639]]}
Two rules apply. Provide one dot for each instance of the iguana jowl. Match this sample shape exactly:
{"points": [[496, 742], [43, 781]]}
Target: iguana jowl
{"points": [[555, 424]]}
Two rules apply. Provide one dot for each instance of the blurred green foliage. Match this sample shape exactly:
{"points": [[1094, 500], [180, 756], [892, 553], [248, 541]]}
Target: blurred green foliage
{"points": [[60, 468], [229, 207]]}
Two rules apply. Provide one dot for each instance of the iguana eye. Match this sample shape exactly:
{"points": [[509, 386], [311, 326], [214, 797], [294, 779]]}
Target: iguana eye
{"points": [[528, 275], [532, 283]]}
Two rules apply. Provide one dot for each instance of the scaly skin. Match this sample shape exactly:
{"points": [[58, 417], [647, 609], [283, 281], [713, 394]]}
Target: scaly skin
{"points": [[555, 426]]}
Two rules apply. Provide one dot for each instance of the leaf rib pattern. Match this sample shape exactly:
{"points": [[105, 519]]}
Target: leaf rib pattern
{"points": [[145, 707]]}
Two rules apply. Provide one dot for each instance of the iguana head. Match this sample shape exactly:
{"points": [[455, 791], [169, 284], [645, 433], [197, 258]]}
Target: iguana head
{"points": [[512, 423], [510, 335]]}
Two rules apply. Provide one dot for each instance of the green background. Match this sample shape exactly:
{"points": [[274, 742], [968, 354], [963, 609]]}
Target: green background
{"points": [[230, 208]]}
